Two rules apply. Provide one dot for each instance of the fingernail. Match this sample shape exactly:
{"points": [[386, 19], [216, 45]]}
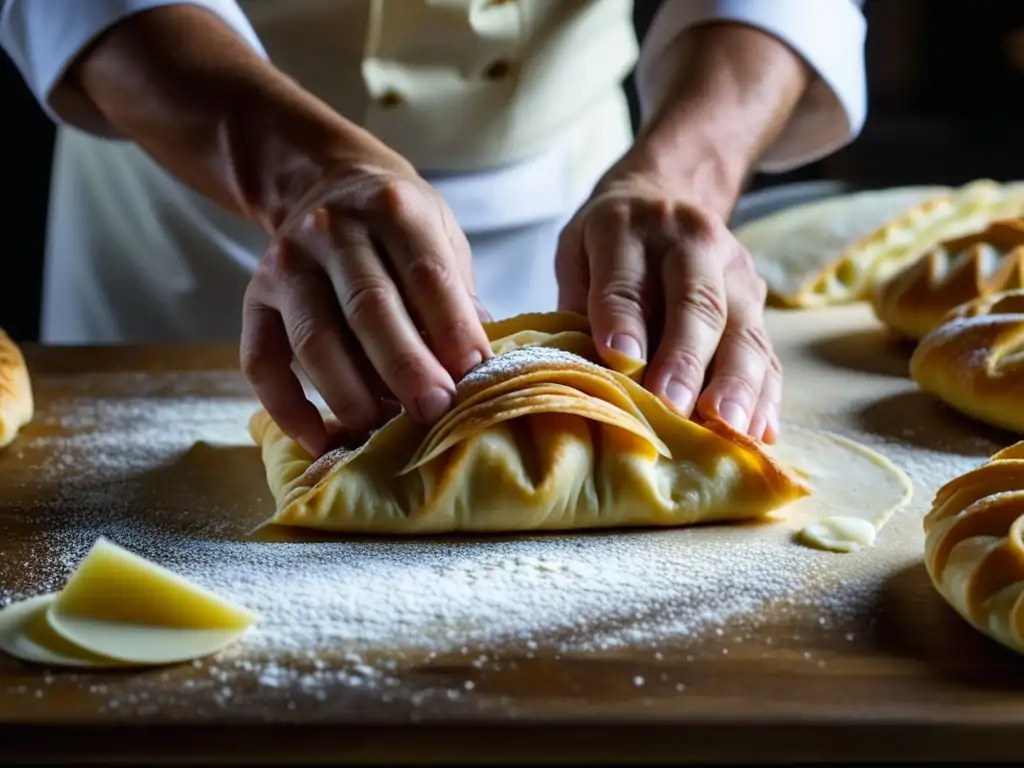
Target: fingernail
{"points": [[626, 345], [734, 414], [434, 404], [680, 395]]}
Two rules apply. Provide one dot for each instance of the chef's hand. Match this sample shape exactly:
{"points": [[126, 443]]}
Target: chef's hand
{"points": [[664, 281], [369, 286]]}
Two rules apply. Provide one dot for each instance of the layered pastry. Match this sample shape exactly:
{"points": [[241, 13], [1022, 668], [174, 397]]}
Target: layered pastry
{"points": [[543, 436], [16, 404], [916, 299], [974, 546], [974, 360]]}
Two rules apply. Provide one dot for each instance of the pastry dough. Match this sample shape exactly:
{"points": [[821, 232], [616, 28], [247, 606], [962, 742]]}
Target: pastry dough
{"points": [[974, 361], [119, 609], [918, 298], [915, 221], [974, 546], [16, 406], [542, 437], [792, 248]]}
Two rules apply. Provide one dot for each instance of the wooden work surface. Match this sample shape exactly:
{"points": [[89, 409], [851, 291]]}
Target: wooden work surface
{"points": [[901, 676]]}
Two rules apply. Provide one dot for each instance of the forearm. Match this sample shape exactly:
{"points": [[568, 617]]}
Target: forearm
{"points": [[734, 91], [192, 94]]}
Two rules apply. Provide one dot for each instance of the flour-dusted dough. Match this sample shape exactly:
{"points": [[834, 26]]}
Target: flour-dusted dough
{"points": [[119, 609], [792, 248], [542, 437], [974, 546], [16, 404], [855, 491]]}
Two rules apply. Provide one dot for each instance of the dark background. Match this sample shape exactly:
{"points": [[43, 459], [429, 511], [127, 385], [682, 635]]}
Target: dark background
{"points": [[946, 81]]}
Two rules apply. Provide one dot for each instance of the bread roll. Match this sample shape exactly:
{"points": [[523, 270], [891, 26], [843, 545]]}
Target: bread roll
{"points": [[974, 546], [916, 299], [16, 406], [974, 360]]}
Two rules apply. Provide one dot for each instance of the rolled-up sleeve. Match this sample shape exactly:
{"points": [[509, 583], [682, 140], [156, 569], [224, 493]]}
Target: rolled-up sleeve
{"points": [[828, 34], [43, 37]]}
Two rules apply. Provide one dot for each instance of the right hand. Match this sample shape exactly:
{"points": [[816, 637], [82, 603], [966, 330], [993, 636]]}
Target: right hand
{"points": [[369, 287]]}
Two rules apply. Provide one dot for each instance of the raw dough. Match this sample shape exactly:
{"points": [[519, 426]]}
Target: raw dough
{"points": [[855, 491], [793, 247], [16, 405], [542, 437], [26, 634], [119, 609], [917, 299], [839, 250]]}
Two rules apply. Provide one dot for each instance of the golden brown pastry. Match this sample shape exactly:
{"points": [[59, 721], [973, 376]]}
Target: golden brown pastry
{"points": [[974, 546], [541, 437], [974, 361], [917, 299], [16, 405], [871, 255]]}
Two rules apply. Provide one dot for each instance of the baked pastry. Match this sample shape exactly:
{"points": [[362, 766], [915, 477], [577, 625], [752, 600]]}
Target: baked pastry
{"points": [[16, 405], [836, 251], [974, 546], [974, 360], [916, 299], [541, 437]]}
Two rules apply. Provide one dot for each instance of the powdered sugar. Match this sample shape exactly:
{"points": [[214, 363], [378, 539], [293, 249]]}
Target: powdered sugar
{"points": [[516, 361]]}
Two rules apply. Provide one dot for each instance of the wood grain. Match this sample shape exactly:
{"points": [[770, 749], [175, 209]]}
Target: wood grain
{"points": [[904, 678]]}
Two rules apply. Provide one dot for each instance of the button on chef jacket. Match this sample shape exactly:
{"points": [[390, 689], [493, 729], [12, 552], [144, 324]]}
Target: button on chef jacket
{"points": [[511, 108]]}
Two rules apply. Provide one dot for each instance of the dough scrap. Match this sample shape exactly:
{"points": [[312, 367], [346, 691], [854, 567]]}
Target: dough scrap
{"points": [[974, 546], [542, 437], [16, 402], [119, 609], [855, 490]]}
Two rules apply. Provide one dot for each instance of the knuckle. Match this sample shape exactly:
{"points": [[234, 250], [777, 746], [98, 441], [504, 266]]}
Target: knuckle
{"points": [[366, 300], [754, 339], [705, 298], [736, 385], [302, 332], [253, 362], [621, 295], [431, 276], [400, 198], [459, 335], [684, 365], [406, 371], [697, 223]]}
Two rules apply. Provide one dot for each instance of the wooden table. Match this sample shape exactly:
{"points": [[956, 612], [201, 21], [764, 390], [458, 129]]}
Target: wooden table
{"points": [[904, 677]]}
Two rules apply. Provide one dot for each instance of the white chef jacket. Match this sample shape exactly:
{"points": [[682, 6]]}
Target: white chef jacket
{"points": [[511, 108]]}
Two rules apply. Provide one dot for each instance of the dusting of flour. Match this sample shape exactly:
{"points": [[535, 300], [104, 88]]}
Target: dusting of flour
{"points": [[346, 613]]}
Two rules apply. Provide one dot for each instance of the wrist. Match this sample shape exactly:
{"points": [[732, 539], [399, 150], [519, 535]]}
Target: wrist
{"points": [[733, 91]]}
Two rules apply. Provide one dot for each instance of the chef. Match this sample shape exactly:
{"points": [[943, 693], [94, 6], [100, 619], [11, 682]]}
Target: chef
{"points": [[352, 186]]}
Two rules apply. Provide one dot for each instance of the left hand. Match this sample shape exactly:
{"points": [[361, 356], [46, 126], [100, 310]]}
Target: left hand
{"points": [[663, 280]]}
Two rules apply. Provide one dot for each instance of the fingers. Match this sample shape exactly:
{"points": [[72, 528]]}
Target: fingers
{"points": [[265, 357], [695, 317], [374, 310], [746, 382], [618, 279], [572, 271], [427, 267]]}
